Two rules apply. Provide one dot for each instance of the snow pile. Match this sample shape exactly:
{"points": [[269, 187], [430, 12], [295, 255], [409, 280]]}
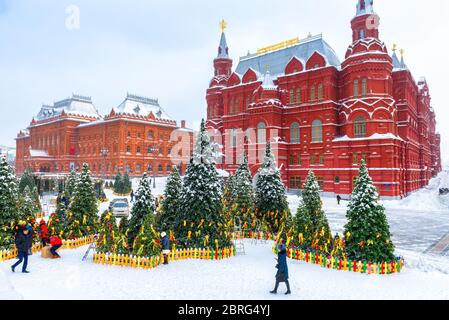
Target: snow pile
{"points": [[426, 199]]}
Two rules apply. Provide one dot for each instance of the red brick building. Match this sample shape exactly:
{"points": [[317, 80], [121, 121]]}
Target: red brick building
{"points": [[137, 136], [325, 115]]}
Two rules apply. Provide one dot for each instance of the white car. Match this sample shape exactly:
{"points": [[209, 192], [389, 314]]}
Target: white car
{"points": [[120, 209]]}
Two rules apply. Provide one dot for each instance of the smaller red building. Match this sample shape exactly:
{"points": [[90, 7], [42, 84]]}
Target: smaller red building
{"points": [[137, 136]]}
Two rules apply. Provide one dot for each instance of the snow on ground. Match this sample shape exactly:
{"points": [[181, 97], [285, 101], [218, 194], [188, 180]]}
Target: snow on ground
{"points": [[418, 223], [243, 277]]}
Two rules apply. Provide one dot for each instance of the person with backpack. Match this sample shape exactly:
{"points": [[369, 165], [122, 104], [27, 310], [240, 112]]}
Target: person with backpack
{"points": [[24, 243]]}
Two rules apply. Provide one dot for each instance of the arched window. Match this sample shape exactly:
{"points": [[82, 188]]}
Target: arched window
{"points": [[150, 135], [261, 133], [294, 133], [298, 95], [160, 168], [317, 131], [168, 168], [356, 88], [360, 127], [236, 106], [292, 99], [362, 34], [138, 168], [312, 93], [364, 87], [233, 138], [231, 106], [320, 92]]}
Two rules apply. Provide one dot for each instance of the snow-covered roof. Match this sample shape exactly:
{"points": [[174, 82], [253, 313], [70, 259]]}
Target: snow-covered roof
{"points": [[376, 136], [75, 105], [39, 153], [222, 173], [268, 83], [141, 106], [278, 60]]}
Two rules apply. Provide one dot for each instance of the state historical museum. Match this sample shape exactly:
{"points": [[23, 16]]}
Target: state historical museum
{"points": [[325, 115]]}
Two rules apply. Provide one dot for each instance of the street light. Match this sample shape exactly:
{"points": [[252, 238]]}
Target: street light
{"points": [[104, 152], [153, 150]]}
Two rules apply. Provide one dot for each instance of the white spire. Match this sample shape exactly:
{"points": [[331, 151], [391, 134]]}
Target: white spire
{"points": [[268, 83]]}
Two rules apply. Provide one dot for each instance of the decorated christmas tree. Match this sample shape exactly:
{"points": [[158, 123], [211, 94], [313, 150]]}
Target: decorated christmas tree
{"points": [[55, 226], [147, 243], [8, 204], [29, 204], [367, 232], [84, 207], [239, 197], [201, 222], [271, 200], [110, 239], [171, 204], [143, 206], [310, 221]]}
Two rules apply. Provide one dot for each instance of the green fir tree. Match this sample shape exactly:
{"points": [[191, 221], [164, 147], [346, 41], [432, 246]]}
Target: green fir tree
{"points": [[367, 232], [8, 204], [170, 206]]}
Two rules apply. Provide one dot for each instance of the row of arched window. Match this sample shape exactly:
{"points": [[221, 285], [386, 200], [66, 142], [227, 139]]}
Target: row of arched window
{"points": [[364, 88], [317, 132], [316, 93]]}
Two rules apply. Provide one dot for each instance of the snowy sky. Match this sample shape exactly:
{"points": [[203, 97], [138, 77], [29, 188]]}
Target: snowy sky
{"points": [[165, 49]]}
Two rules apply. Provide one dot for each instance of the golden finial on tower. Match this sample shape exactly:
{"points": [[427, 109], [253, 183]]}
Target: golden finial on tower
{"points": [[402, 51], [223, 25], [395, 47]]}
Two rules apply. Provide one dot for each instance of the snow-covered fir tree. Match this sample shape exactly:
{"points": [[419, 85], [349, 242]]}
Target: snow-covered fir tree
{"points": [[147, 243], [27, 179], [143, 206], [29, 205], [70, 184], [55, 226], [271, 199], [170, 206], [367, 232], [8, 204], [310, 220], [239, 197], [126, 184], [118, 183], [201, 221], [84, 206]]}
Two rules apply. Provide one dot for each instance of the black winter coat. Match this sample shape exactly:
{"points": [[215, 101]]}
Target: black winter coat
{"points": [[165, 243], [24, 242]]}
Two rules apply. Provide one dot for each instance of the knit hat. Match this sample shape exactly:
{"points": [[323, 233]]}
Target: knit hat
{"points": [[163, 234], [281, 247], [29, 228]]}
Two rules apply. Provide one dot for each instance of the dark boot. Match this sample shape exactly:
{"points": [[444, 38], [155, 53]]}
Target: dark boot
{"points": [[275, 291], [165, 259], [288, 288]]}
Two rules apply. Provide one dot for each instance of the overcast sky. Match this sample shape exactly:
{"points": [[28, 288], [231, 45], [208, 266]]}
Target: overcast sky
{"points": [[164, 49]]}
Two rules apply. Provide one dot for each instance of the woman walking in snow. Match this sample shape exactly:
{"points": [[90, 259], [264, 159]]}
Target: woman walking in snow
{"points": [[24, 243], [165, 246], [282, 273]]}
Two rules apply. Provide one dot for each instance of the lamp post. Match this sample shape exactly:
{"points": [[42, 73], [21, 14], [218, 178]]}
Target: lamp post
{"points": [[153, 150], [104, 152]]}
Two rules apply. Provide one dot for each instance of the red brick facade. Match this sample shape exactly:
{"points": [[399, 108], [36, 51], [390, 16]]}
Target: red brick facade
{"points": [[133, 137], [325, 116]]}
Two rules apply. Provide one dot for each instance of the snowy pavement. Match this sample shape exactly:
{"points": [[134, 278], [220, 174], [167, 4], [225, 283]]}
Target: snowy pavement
{"points": [[248, 277]]}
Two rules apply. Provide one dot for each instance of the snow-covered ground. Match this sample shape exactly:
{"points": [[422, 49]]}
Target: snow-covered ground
{"points": [[419, 224], [243, 277]]}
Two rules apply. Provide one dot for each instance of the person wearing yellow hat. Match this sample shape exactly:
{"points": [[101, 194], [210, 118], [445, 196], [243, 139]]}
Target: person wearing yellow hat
{"points": [[24, 243]]}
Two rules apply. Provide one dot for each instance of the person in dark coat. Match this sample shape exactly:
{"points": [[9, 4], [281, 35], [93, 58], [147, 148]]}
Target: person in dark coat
{"points": [[338, 199], [282, 273], [24, 243], [165, 246], [132, 195]]}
